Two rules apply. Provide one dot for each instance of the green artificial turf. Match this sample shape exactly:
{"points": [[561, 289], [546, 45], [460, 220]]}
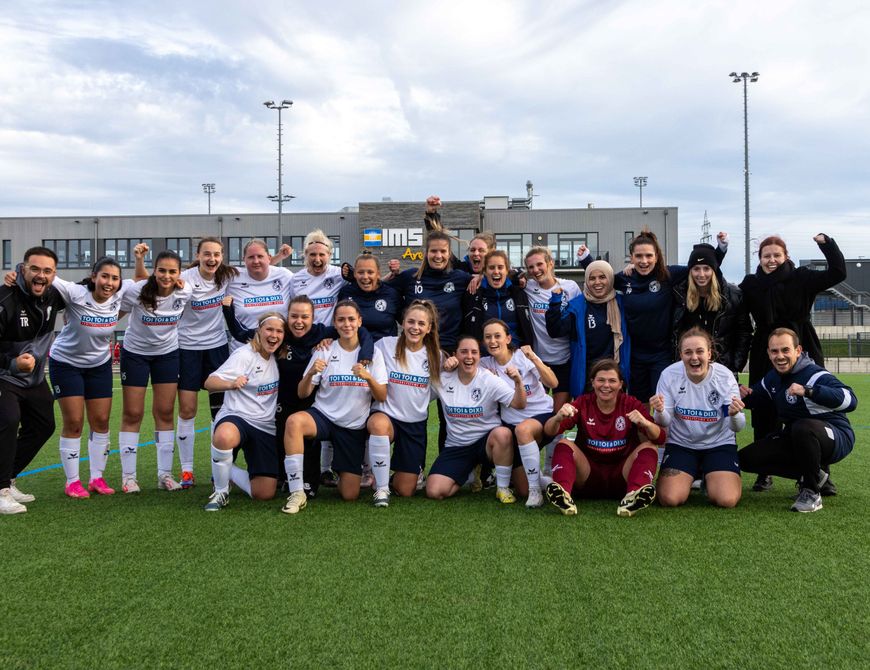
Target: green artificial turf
{"points": [[130, 581]]}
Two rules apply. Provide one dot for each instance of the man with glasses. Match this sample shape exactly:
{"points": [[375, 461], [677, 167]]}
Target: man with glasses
{"points": [[27, 313]]}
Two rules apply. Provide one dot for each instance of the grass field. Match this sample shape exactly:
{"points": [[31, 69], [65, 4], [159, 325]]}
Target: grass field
{"points": [[130, 581]]}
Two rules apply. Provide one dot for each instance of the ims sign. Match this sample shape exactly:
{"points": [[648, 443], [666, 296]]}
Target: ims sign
{"points": [[393, 237]]}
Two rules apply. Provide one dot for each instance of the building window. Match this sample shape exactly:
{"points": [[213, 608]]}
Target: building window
{"points": [[7, 254], [336, 249], [122, 250], [629, 236], [71, 253], [185, 247], [515, 245], [565, 245], [235, 249]]}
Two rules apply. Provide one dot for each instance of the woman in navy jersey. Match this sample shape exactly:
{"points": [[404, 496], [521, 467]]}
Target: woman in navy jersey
{"points": [[614, 454], [345, 389], [413, 363], [478, 246], [249, 379], [379, 304], [202, 343], [475, 436], [80, 367], [498, 297], [150, 350], [527, 424]]}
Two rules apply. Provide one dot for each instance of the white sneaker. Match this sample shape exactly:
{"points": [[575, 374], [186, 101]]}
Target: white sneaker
{"points": [[166, 482], [130, 485], [381, 498], [296, 502], [535, 499], [8, 504], [20, 496]]}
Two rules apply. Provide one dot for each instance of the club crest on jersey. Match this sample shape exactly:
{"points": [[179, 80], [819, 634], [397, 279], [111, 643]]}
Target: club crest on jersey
{"points": [[176, 304], [476, 394], [628, 290], [713, 397], [654, 286], [328, 282], [276, 285], [620, 423], [509, 304], [425, 366], [381, 305], [790, 399], [449, 287]]}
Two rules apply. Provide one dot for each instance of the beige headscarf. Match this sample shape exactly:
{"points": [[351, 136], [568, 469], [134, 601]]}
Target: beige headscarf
{"points": [[614, 320]]}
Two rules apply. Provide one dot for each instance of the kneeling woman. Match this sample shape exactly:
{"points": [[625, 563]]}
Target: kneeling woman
{"points": [[699, 402], [340, 408], [615, 451], [249, 379], [413, 362], [527, 424], [471, 399]]}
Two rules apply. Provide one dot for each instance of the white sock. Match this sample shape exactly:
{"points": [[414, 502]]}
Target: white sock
{"points": [[325, 456], [221, 464], [293, 468], [69, 457], [531, 457], [379, 452], [241, 479], [185, 435], [128, 443], [550, 448], [98, 453], [165, 440], [503, 476]]}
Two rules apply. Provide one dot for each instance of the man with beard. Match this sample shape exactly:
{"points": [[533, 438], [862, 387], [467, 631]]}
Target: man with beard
{"points": [[27, 313]]}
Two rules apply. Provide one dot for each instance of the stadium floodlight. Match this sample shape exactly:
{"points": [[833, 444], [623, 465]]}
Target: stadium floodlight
{"points": [[640, 182], [745, 77], [285, 104]]}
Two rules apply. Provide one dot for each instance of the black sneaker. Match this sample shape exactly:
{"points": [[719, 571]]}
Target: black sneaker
{"points": [[560, 499], [329, 479], [763, 483], [828, 488]]}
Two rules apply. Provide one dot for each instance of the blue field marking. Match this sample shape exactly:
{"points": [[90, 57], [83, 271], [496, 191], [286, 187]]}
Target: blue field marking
{"points": [[56, 466]]}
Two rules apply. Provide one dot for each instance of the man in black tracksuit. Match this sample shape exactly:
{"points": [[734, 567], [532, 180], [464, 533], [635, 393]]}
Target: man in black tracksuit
{"points": [[27, 314]]}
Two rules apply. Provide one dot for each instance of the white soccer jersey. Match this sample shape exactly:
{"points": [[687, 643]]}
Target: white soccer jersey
{"points": [[699, 412], [550, 349], [537, 400], [471, 409], [322, 289], [254, 297], [342, 397], [151, 333], [257, 400], [408, 389], [202, 322], [86, 336]]}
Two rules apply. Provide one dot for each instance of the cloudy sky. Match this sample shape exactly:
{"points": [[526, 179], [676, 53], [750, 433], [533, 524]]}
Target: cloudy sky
{"points": [[127, 108]]}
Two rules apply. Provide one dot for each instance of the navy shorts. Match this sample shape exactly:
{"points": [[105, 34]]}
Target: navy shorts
{"points": [[458, 462], [258, 446], [645, 377], [348, 444], [195, 366], [701, 461], [69, 381], [135, 368], [563, 374], [409, 446]]}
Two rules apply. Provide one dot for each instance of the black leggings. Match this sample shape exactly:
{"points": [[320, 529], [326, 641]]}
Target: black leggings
{"points": [[800, 450], [26, 423]]}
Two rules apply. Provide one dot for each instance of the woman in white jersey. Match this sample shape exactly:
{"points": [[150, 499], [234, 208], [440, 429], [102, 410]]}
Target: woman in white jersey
{"points": [[699, 402], [475, 436], [260, 286], [526, 424], [342, 405], [413, 363], [249, 381], [150, 349], [202, 343]]}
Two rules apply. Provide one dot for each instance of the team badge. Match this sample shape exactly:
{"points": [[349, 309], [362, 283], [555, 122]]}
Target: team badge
{"points": [[628, 290], [276, 285], [791, 399], [176, 305], [380, 305], [509, 305], [713, 398], [620, 423], [328, 282], [654, 286], [449, 288], [425, 366], [476, 395]]}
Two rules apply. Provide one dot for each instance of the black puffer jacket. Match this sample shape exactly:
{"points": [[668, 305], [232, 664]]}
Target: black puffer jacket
{"points": [[732, 329]]}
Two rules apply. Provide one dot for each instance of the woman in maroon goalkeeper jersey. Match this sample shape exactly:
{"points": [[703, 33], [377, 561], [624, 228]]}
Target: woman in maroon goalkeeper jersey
{"points": [[614, 454]]}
